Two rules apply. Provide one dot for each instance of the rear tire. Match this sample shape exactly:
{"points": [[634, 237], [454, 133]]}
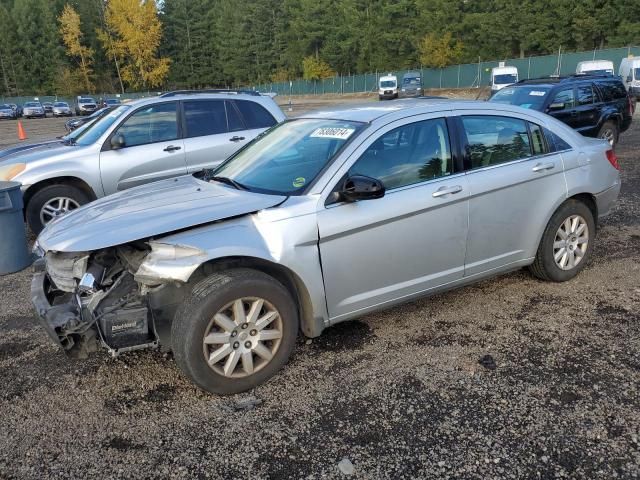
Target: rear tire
{"points": [[242, 351], [47, 196], [609, 132], [560, 259]]}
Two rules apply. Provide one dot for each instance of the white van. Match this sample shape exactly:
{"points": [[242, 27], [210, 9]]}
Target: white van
{"points": [[388, 87], [502, 76], [595, 67], [630, 73]]}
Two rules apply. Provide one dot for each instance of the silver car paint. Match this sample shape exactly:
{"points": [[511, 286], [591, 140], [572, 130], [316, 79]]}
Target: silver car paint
{"points": [[129, 166], [349, 259]]}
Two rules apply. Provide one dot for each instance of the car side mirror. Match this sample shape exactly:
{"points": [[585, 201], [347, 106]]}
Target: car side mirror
{"points": [[118, 141], [360, 187], [629, 79], [556, 106]]}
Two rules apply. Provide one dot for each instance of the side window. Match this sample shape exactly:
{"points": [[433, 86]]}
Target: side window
{"points": [[255, 116], [156, 123], [566, 97], [204, 117], [494, 140], [409, 154], [608, 90], [585, 95], [537, 139], [233, 117], [556, 144]]}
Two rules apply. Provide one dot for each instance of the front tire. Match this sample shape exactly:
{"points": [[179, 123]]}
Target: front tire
{"points": [[51, 202], [234, 331], [566, 244]]}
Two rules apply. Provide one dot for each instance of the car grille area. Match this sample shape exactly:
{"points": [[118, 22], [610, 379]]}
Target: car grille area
{"points": [[64, 269]]}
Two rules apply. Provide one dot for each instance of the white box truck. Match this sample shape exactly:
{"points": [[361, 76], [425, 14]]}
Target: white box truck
{"points": [[502, 76], [388, 87], [595, 67], [630, 73]]}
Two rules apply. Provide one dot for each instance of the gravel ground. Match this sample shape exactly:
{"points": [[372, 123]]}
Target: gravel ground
{"points": [[400, 394]]}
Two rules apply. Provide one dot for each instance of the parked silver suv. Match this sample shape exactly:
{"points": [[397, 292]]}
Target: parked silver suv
{"points": [[136, 143], [324, 218]]}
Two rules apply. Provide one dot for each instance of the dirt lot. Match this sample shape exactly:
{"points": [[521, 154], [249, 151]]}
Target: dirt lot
{"points": [[401, 393]]}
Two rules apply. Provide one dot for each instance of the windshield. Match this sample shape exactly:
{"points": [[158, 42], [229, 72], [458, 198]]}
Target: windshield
{"points": [[87, 100], [411, 82], [531, 96], [289, 156], [599, 72], [32, 104], [100, 126], [505, 79], [387, 84], [5, 107], [60, 104]]}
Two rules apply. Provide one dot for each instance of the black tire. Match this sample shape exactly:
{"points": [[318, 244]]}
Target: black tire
{"points": [[207, 298], [41, 197], [612, 127], [544, 266]]}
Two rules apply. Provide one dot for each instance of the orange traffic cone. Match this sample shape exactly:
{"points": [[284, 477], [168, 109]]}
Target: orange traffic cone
{"points": [[21, 134]]}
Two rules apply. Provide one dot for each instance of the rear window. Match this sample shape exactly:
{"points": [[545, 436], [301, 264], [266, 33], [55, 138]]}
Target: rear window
{"points": [[255, 116], [611, 90], [529, 96], [32, 104], [205, 117]]}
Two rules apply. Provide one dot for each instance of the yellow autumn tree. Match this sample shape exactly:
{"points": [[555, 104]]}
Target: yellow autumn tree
{"points": [[132, 36], [71, 34], [439, 51], [316, 69]]}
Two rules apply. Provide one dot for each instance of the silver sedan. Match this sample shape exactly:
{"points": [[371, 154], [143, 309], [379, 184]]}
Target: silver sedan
{"points": [[324, 218]]}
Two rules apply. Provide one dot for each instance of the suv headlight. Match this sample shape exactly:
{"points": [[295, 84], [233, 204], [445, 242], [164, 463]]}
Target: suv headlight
{"points": [[9, 172]]}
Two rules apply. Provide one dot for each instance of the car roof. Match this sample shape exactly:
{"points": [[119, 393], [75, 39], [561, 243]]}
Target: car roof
{"points": [[200, 96], [372, 111], [553, 81]]}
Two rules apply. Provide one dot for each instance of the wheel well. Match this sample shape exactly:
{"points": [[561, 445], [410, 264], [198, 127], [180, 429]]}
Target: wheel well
{"points": [[308, 323], [72, 181], [590, 202]]}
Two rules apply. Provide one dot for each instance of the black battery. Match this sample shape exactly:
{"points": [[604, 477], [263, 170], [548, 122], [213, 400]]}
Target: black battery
{"points": [[125, 327]]}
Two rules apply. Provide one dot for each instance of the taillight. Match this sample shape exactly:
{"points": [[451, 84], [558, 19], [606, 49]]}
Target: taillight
{"points": [[613, 160], [631, 105]]}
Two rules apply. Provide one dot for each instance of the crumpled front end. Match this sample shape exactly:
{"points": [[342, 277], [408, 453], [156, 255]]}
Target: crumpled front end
{"points": [[87, 299]]}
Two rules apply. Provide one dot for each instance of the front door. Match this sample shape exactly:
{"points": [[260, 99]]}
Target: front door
{"points": [[152, 149], [413, 239], [567, 113]]}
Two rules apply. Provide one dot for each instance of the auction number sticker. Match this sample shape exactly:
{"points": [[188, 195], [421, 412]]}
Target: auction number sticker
{"points": [[536, 93], [332, 132]]}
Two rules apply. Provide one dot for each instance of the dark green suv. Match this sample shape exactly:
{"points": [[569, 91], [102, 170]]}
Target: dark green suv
{"points": [[594, 105]]}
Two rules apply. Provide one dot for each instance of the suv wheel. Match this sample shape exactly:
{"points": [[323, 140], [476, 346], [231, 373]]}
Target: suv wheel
{"points": [[52, 202], [609, 132], [566, 244], [234, 331]]}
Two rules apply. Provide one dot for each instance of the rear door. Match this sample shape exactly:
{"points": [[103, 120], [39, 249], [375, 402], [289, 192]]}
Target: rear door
{"points": [[514, 184], [213, 131], [153, 149], [588, 106]]}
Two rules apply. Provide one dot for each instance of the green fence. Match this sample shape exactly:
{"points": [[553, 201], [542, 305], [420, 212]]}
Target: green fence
{"points": [[457, 76]]}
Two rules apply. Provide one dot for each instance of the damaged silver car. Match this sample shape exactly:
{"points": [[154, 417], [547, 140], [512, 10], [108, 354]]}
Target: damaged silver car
{"points": [[319, 220]]}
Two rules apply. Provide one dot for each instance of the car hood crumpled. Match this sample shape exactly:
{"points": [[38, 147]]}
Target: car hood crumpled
{"points": [[149, 211]]}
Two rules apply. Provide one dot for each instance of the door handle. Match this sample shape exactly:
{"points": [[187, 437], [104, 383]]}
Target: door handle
{"points": [[236, 138], [172, 148], [541, 167], [442, 191], [574, 113]]}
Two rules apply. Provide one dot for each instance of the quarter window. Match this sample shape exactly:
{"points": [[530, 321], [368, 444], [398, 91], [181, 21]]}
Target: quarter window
{"points": [[585, 95], [205, 117], [495, 140], [156, 123], [537, 139], [556, 144], [255, 116], [409, 154], [566, 97]]}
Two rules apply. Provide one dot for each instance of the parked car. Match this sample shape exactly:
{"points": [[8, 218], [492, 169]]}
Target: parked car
{"points": [[137, 143], [325, 218], [48, 107], [61, 109], [411, 85], [502, 76], [76, 122], [630, 74], [86, 106], [7, 112], [111, 102], [33, 110], [596, 106], [595, 67], [388, 87]]}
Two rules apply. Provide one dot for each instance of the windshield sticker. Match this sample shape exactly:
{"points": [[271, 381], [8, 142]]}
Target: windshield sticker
{"points": [[536, 93], [332, 132], [299, 182]]}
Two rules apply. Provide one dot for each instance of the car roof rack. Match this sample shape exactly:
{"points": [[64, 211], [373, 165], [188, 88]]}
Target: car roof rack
{"points": [[211, 90]]}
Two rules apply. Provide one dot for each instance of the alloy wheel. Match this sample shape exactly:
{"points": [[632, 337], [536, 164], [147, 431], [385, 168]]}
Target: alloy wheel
{"points": [[237, 342], [571, 242], [609, 136], [56, 207]]}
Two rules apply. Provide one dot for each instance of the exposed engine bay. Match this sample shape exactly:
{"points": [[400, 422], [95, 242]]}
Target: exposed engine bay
{"points": [[94, 298]]}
